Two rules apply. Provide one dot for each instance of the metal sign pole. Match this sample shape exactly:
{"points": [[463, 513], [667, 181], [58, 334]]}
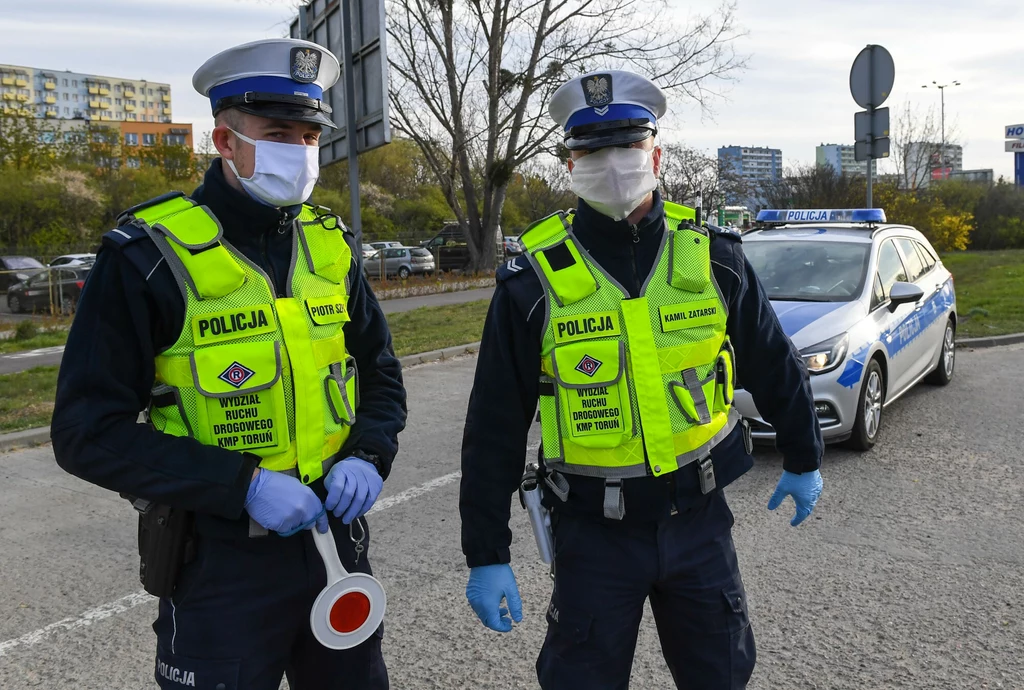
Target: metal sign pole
{"points": [[871, 115], [350, 118]]}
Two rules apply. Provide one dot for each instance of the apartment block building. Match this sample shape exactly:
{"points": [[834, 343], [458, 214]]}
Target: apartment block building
{"points": [[843, 160], [753, 168], [66, 95]]}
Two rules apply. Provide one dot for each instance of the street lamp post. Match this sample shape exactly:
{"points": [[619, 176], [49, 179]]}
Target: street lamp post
{"points": [[942, 118]]}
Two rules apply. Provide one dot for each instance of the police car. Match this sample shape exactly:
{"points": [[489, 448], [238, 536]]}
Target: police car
{"points": [[867, 303]]}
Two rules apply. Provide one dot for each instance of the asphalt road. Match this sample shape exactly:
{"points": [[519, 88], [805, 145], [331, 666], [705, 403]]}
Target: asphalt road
{"points": [[51, 356], [910, 574]]}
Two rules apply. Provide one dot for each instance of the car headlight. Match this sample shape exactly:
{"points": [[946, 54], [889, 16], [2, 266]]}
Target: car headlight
{"points": [[826, 355]]}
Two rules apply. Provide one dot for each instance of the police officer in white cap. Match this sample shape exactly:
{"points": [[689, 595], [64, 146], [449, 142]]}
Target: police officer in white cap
{"points": [[623, 326], [237, 318]]}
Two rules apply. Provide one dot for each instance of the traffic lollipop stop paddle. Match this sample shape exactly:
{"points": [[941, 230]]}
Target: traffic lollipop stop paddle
{"points": [[351, 607]]}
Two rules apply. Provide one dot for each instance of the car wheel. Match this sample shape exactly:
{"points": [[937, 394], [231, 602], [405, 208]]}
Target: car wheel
{"points": [[869, 408], [14, 304], [403, 272], [943, 373]]}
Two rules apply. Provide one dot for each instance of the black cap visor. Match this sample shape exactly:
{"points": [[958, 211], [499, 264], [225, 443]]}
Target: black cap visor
{"points": [[280, 107], [612, 133]]}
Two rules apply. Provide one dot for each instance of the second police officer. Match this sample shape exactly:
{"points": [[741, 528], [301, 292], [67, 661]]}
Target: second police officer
{"points": [[628, 326], [238, 318]]}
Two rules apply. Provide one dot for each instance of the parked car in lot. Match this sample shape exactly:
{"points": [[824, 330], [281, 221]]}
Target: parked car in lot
{"points": [[14, 269], [400, 261], [868, 304], [73, 260], [384, 245], [452, 250], [512, 246], [368, 251], [60, 287]]}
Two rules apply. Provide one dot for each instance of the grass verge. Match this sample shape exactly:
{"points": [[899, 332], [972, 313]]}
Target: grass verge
{"points": [[989, 291], [433, 328], [26, 398], [45, 339]]}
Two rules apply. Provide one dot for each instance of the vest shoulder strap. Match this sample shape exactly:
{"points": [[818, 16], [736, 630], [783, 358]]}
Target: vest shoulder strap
{"points": [[157, 207], [545, 230], [558, 260], [676, 213], [192, 235]]}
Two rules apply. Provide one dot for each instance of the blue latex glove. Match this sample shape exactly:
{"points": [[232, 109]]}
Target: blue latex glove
{"points": [[487, 585], [281, 503], [352, 486], [804, 488]]}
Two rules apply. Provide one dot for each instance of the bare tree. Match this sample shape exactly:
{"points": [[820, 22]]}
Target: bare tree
{"points": [[686, 171], [815, 186], [470, 81], [915, 146]]}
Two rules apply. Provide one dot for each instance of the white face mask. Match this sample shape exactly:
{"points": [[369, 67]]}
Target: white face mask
{"points": [[613, 180], [284, 174]]}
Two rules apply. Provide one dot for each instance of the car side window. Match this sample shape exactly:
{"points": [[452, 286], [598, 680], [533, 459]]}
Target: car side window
{"points": [[890, 267], [926, 256], [915, 269], [877, 294], [40, 278], [393, 253]]}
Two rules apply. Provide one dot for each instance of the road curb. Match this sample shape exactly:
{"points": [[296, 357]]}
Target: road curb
{"points": [[41, 435], [24, 439], [991, 341], [436, 355]]}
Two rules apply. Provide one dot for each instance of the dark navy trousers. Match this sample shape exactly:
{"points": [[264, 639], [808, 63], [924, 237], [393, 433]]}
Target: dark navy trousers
{"points": [[604, 572], [239, 619]]}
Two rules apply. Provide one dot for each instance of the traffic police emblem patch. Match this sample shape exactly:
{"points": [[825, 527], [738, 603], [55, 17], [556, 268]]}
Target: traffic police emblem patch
{"points": [[597, 90], [588, 365], [305, 65], [236, 375]]}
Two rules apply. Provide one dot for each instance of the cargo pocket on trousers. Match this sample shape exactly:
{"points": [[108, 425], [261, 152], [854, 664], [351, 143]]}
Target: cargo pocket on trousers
{"points": [[176, 671], [736, 616]]}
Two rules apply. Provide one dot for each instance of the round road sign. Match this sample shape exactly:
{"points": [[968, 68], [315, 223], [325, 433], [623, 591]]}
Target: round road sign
{"points": [[872, 76]]}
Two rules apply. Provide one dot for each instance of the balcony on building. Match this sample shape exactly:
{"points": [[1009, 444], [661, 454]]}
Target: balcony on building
{"points": [[21, 81], [95, 105], [51, 99], [22, 97], [94, 90], [167, 111], [49, 85], [129, 93], [51, 113], [7, 81], [9, 96], [166, 98]]}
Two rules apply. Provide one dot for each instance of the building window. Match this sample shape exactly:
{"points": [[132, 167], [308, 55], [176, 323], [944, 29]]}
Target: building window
{"points": [[148, 139], [117, 101], [66, 111], [149, 92], [174, 139], [65, 97], [131, 139], [74, 82], [76, 98], [118, 88], [132, 162], [65, 82]]}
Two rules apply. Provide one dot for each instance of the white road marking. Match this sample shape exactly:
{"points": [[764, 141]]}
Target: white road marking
{"points": [[35, 353], [84, 619], [134, 599]]}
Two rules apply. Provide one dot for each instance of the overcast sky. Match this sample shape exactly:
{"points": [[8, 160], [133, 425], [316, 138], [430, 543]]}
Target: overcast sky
{"points": [[794, 95]]}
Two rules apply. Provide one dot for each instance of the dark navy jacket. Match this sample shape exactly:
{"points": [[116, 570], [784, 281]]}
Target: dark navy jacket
{"points": [[131, 309], [504, 398]]}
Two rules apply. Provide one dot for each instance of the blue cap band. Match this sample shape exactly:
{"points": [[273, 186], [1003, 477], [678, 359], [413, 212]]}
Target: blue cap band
{"points": [[616, 111], [280, 85]]}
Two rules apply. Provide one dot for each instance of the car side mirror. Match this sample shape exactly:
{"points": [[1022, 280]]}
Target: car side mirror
{"points": [[903, 293]]}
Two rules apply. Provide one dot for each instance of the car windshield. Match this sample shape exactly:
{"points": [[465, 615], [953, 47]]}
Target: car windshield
{"points": [[808, 271], [420, 252], [15, 262]]}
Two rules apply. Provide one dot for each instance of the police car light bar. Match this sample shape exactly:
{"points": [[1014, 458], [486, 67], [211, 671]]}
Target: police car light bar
{"points": [[835, 215]]}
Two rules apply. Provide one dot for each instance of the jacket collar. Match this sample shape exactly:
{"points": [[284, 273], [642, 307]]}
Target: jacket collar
{"points": [[597, 230], [242, 217]]}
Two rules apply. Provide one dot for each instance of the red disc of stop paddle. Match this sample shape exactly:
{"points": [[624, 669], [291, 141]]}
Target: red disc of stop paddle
{"points": [[349, 612]]}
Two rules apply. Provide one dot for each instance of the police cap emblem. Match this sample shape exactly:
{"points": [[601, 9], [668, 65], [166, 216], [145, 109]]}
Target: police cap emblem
{"points": [[305, 64], [597, 90]]}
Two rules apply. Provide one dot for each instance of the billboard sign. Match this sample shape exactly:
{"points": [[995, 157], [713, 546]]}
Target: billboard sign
{"points": [[1014, 131], [1015, 146]]}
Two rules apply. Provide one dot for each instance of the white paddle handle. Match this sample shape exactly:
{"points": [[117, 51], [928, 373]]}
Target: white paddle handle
{"points": [[329, 552]]}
